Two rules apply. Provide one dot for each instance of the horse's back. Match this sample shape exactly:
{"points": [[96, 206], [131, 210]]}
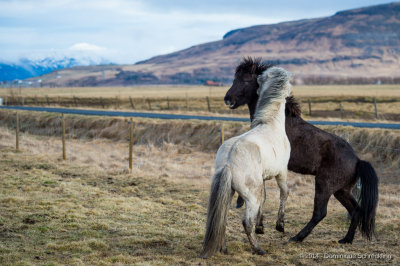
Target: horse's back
{"points": [[263, 146], [313, 148]]}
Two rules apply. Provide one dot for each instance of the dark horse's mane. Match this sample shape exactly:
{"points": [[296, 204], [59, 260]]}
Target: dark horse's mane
{"points": [[251, 66], [292, 107], [255, 66]]}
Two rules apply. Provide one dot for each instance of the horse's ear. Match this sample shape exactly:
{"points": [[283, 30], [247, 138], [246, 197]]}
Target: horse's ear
{"points": [[260, 80]]}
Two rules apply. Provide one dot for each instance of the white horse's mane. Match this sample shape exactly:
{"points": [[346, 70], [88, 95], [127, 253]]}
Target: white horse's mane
{"points": [[274, 88]]}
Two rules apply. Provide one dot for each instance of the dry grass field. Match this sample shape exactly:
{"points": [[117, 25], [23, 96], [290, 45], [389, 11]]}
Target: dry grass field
{"points": [[180, 91], [356, 100], [90, 209]]}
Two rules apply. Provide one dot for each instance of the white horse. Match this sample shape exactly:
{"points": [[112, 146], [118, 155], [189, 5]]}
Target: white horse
{"points": [[245, 162]]}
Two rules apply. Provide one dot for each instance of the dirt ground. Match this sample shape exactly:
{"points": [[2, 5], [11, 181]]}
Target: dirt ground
{"points": [[90, 209]]}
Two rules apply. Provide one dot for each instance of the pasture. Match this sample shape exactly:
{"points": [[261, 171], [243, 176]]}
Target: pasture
{"points": [[349, 102], [180, 91], [90, 209]]}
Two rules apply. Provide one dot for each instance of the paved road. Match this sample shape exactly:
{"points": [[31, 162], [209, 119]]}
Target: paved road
{"points": [[185, 117]]}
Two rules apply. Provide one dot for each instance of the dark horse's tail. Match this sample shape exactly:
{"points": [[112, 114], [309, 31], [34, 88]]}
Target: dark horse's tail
{"points": [[368, 197]]}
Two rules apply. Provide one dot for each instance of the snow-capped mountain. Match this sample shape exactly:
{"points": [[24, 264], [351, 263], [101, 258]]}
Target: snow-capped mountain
{"points": [[26, 68]]}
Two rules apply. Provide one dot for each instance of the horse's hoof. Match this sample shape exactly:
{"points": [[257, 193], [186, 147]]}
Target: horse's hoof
{"points": [[293, 239], [259, 252], [259, 230], [280, 227], [345, 241], [224, 251]]}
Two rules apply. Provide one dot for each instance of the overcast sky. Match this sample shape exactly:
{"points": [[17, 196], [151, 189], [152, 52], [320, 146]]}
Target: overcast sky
{"points": [[126, 31]]}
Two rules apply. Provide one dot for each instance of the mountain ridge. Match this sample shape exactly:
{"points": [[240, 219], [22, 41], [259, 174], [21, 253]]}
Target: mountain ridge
{"points": [[25, 68], [360, 45]]}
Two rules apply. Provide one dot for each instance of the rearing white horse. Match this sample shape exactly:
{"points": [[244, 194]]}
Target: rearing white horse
{"points": [[255, 156]]}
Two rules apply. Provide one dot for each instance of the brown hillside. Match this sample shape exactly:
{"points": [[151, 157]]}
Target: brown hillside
{"points": [[354, 46]]}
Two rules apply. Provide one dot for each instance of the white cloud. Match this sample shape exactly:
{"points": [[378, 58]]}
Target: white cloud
{"points": [[86, 47]]}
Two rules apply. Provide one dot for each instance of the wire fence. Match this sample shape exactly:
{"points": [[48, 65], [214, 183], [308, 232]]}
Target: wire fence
{"points": [[386, 160], [348, 107]]}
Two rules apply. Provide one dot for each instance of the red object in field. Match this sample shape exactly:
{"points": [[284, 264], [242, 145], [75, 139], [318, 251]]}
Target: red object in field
{"points": [[212, 83]]}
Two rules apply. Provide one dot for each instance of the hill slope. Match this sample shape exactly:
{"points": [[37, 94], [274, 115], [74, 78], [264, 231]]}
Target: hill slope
{"points": [[354, 46]]}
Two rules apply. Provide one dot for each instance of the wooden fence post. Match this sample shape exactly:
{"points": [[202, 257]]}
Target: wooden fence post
{"points": [[130, 144], [17, 131], [131, 101], [208, 103], [222, 134], [116, 102], [149, 103], [167, 103], [376, 109], [341, 109], [309, 107], [63, 137]]}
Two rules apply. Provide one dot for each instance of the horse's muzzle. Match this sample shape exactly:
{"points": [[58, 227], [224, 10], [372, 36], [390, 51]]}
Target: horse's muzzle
{"points": [[230, 104]]}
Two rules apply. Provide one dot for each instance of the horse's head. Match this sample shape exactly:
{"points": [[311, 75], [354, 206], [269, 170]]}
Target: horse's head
{"points": [[244, 87]]}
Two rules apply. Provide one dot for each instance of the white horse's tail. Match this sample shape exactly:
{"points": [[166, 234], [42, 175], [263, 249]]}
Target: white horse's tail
{"points": [[218, 206]]}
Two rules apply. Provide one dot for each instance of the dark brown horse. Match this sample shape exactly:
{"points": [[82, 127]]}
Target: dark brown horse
{"points": [[315, 152]]}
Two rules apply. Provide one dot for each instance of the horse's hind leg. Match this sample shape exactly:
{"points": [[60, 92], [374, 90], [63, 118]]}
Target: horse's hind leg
{"points": [[348, 201], [260, 216], [223, 248], [259, 222], [284, 192], [249, 218]]}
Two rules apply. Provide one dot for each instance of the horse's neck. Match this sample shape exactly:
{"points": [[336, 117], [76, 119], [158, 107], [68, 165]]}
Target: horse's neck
{"points": [[273, 115], [279, 118], [252, 108]]}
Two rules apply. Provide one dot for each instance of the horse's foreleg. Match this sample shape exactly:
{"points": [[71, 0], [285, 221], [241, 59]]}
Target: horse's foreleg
{"points": [[321, 198], [260, 216], [284, 192], [348, 201]]}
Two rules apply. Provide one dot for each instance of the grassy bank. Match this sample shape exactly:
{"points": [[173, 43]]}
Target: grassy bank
{"points": [[91, 210], [201, 135]]}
